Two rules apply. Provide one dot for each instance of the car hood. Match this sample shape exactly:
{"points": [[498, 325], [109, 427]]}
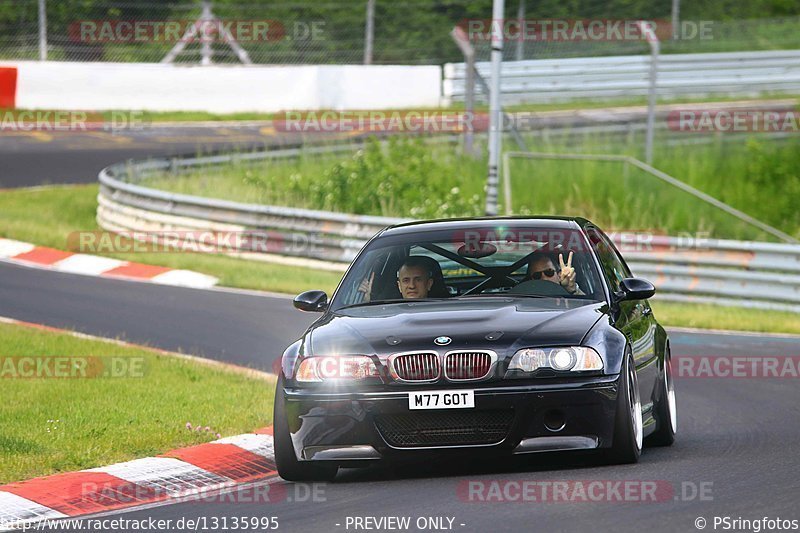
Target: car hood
{"points": [[499, 324]]}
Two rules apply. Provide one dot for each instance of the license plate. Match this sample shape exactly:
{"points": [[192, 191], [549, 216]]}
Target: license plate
{"points": [[441, 399]]}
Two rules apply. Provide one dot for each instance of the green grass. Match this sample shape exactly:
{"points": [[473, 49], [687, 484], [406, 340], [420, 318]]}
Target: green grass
{"points": [[60, 424], [48, 216], [410, 178], [726, 318], [205, 116]]}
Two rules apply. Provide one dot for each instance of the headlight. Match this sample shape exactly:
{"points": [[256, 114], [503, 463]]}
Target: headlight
{"points": [[562, 359], [335, 368]]}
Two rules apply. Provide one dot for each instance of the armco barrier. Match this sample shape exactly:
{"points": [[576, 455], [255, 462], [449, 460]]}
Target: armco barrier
{"points": [[125, 206], [734, 73], [753, 274]]}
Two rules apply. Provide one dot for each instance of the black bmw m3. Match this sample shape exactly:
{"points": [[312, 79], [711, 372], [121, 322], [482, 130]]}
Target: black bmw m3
{"points": [[486, 336]]}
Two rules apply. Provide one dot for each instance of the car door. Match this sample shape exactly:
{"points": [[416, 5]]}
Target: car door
{"points": [[635, 319]]}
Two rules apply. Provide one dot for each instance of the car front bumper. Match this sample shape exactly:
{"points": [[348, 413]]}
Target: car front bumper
{"points": [[351, 427]]}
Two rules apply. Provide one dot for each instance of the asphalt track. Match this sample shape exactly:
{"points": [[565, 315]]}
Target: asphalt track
{"points": [[61, 157], [737, 437]]}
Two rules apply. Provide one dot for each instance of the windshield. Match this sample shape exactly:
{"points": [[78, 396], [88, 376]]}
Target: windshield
{"points": [[520, 261]]}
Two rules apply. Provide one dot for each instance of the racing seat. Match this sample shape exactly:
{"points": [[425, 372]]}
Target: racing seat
{"points": [[439, 288]]}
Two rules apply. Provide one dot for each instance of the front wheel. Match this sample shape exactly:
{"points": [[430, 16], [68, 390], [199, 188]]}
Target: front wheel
{"points": [[665, 409], [289, 467], [628, 427]]}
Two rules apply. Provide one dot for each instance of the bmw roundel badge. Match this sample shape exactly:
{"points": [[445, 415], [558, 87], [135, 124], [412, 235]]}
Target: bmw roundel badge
{"points": [[442, 341]]}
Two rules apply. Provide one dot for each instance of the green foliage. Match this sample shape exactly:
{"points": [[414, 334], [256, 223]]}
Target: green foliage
{"points": [[412, 178], [405, 176], [414, 31], [758, 176]]}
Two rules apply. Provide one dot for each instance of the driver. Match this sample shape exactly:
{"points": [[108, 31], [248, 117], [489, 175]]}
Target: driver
{"points": [[414, 280], [541, 266]]}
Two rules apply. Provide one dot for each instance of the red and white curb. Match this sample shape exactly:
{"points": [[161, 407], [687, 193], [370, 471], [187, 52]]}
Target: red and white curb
{"points": [[221, 464], [92, 265]]}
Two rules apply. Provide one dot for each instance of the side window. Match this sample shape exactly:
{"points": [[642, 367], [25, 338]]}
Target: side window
{"points": [[613, 266]]}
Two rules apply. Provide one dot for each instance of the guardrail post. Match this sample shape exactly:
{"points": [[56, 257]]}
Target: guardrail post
{"points": [[652, 39], [495, 113], [520, 39], [42, 30], [462, 41], [369, 32], [676, 19]]}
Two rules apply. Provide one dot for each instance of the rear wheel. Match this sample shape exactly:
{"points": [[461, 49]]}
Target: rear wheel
{"points": [[289, 467], [628, 428], [665, 408]]}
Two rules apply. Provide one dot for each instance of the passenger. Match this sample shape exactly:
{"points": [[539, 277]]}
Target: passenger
{"points": [[541, 266]]}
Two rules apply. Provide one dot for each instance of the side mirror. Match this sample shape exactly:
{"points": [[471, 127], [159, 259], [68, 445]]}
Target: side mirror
{"points": [[312, 301], [635, 289]]}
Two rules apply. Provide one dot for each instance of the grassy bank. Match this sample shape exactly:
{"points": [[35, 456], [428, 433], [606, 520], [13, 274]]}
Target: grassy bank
{"points": [[48, 216], [411, 178], [726, 318], [205, 116], [65, 424]]}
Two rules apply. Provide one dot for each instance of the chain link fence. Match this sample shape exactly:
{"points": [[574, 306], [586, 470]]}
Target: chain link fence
{"points": [[414, 32], [691, 36], [337, 32]]}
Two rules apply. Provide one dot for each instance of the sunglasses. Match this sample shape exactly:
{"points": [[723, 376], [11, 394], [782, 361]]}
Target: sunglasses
{"points": [[548, 273]]}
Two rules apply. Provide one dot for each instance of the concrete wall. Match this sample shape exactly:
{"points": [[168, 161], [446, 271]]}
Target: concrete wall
{"points": [[223, 89]]}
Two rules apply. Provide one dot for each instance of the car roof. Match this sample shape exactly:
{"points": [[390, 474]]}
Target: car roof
{"points": [[455, 224]]}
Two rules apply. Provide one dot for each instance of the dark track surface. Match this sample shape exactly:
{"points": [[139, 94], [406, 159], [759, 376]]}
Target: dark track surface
{"points": [[240, 328], [735, 434], [41, 158]]}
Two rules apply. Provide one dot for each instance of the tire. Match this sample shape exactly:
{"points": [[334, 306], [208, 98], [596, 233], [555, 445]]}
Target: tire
{"points": [[289, 467], [665, 408], [628, 429]]}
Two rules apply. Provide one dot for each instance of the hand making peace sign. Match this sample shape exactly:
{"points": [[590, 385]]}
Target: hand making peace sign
{"points": [[567, 274]]}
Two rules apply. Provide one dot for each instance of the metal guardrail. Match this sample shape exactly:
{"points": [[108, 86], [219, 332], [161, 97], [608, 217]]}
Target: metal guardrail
{"points": [[754, 274], [124, 206], [546, 80], [751, 274]]}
